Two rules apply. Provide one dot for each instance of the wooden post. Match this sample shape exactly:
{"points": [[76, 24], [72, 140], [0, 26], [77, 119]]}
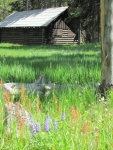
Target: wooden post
{"points": [[79, 32]]}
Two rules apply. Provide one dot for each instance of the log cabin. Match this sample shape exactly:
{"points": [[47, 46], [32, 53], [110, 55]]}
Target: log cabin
{"points": [[40, 26]]}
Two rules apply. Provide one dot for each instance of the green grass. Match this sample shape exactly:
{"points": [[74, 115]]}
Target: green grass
{"points": [[88, 125], [61, 64]]}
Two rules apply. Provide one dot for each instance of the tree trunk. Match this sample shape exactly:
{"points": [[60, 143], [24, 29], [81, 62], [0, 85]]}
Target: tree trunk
{"points": [[107, 41]]}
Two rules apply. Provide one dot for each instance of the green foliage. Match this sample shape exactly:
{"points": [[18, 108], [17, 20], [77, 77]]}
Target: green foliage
{"points": [[84, 15], [76, 12], [18, 5], [4, 8]]}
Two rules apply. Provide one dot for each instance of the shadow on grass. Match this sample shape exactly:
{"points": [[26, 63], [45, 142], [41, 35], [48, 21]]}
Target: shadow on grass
{"points": [[82, 47], [39, 64], [53, 59]]}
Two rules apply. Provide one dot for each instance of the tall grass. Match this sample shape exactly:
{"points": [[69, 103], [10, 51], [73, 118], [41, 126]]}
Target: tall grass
{"points": [[86, 122], [61, 64]]}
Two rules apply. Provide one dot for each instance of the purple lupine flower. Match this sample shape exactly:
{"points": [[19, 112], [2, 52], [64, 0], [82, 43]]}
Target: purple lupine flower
{"points": [[37, 127], [47, 124], [55, 125], [31, 119], [48, 118], [32, 128], [63, 116]]}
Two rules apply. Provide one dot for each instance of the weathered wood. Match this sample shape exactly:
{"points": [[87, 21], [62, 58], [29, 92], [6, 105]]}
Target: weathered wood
{"points": [[38, 88]]}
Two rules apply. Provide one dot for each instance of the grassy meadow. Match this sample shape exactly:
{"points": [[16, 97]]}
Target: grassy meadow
{"points": [[77, 119]]}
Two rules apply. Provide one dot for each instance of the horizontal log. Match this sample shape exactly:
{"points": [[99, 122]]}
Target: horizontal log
{"points": [[64, 42], [35, 37], [35, 43]]}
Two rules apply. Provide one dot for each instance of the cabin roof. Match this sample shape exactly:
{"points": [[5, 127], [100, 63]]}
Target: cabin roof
{"points": [[32, 18]]}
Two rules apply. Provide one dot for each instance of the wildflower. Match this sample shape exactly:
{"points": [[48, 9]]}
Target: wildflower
{"points": [[31, 119], [32, 128], [86, 127], [37, 105], [21, 126], [47, 124], [7, 97], [37, 125], [55, 125], [63, 116], [55, 102], [23, 95], [74, 115], [29, 105], [48, 118]]}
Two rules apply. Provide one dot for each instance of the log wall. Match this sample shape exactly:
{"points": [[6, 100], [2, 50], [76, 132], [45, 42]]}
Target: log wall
{"points": [[28, 36], [12, 35]]}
